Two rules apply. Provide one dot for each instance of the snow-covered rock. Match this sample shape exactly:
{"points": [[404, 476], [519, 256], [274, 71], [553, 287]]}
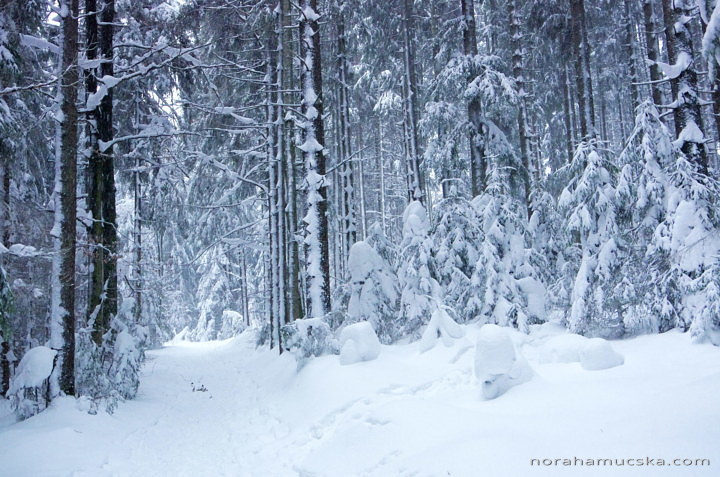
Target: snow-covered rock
{"points": [[34, 368], [442, 326], [598, 354], [497, 366], [358, 342]]}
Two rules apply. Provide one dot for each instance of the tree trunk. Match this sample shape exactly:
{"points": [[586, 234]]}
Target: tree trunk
{"points": [[652, 51], [102, 300], [63, 310], [582, 71], [5, 216], [478, 161], [272, 167], [630, 56], [668, 20], [567, 113], [687, 112], [416, 182], [346, 169], [137, 232], [517, 65], [316, 230]]}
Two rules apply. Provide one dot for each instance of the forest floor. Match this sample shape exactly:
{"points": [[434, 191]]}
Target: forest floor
{"points": [[227, 409]]}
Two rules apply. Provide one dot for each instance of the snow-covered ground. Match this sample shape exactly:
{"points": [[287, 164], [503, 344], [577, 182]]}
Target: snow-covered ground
{"points": [[224, 408]]}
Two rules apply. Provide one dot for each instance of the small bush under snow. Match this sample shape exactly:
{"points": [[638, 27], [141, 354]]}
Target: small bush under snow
{"points": [[358, 342], [34, 368], [497, 365]]}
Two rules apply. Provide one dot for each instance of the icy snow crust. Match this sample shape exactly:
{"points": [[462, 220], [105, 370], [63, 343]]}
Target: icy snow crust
{"points": [[405, 413]]}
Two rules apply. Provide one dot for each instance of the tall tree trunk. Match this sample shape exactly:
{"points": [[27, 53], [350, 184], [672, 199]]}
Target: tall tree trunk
{"points": [[630, 56], [105, 134], [273, 267], [62, 326], [587, 69], [102, 300], [416, 182], [567, 113], [517, 65], [294, 290], [381, 169], [94, 180], [668, 21], [346, 169], [714, 79], [316, 229], [652, 50], [478, 161], [5, 216], [688, 117], [580, 54], [4, 364], [137, 230]]}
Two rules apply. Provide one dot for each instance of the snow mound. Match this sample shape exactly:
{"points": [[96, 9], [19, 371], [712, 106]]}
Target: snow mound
{"points": [[358, 342], [441, 325], [563, 348], [497, 366], [34, 368], [598, 354]]}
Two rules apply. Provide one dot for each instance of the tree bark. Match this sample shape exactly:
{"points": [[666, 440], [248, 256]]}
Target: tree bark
{"points": [[517, 65], [580, 53], [567, 116], [316, 230], [478, 161], [687, 109], [63, 319], [416, 182], [102, 300], [347, 169], [652, 50], [630, 56]]}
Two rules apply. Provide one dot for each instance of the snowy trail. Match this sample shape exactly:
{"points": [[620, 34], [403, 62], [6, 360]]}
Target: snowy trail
{"points": [[405, 414]]}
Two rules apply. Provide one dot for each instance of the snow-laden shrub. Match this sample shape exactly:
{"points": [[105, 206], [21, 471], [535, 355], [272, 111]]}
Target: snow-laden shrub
{"points": [[233, 323], [455, 238], [308, 337], [374, 292], [358, 342], [420, 291], [504, 289], [28, 391], [110, 373], [588, 205]]}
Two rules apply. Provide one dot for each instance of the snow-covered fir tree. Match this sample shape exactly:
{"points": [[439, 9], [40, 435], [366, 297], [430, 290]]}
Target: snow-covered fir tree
{"points": [[589, 206]]}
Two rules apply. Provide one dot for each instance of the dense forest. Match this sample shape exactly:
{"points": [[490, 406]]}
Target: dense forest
{"points": [[192, 169]]}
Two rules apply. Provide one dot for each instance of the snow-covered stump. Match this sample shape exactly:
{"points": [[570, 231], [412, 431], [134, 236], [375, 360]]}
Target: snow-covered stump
{"points": [[358, 342], [497, 366]]}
